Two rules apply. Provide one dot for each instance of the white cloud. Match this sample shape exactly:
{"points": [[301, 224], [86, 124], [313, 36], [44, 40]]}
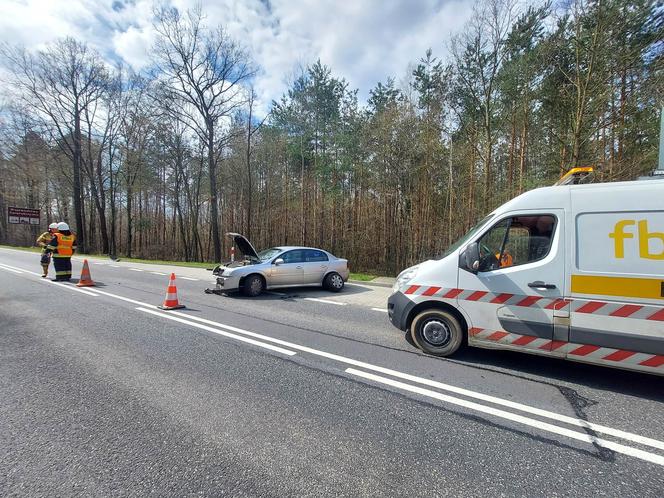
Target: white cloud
{"points": [[133, 46], [363, 41]]}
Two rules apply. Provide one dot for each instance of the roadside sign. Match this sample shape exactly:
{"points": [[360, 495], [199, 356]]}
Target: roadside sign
{"points": [[23, 216]]}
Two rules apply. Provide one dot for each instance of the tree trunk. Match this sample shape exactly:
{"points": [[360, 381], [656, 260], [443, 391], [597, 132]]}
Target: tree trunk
{"points": [[249, 179], [522, 153], [510, 159], [130, 194], [214, 202], [78, 208]]}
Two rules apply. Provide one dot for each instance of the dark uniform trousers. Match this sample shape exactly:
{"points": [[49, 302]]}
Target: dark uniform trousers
{"points": [[62, 245]]}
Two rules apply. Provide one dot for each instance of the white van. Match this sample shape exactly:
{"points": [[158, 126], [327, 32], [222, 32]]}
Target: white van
{"points": [[574, 271]]}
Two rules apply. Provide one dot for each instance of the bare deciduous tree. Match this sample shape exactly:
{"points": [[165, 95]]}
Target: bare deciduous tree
{"points": [[60, 84], [202, 72]]}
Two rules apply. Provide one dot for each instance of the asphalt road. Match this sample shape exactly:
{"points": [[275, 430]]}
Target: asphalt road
{"points": [[299, 393]]}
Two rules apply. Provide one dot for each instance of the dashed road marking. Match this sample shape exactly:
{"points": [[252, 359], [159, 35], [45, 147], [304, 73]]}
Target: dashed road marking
{"points": [[189, 278], [115, 266], [382, 310], [158, 273], [326, 301], [135, 269]]}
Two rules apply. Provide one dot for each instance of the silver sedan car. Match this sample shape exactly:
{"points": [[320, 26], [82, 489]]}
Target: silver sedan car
{"points": [[286, 266]]}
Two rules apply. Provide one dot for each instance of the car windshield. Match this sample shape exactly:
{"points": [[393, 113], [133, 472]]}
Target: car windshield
{"points": [[465, 238], [266, 254]]}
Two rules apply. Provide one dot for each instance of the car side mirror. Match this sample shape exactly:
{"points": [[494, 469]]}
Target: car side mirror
{"points": [[469, 259], [278, 261]]}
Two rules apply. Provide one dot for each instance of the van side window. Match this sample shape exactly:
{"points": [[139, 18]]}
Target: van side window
{"points": [[516, 241]]}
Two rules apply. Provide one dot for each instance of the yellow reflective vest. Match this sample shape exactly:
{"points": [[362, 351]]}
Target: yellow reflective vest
{"points": [[63, 246]]}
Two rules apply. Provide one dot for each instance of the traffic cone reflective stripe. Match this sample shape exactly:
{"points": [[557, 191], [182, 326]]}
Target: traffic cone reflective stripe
{"points": [[171, 300], [86, 279]]}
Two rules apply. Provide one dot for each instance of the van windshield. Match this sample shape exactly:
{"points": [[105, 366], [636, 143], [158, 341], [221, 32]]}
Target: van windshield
{"points": [[466, 237]]}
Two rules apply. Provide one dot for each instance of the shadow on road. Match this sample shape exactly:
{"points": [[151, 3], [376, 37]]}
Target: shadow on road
{"points": [[637, 384], [299, 292], [75, 281]]}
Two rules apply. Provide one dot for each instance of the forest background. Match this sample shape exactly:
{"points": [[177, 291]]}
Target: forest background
{"points": [[160, 164]]}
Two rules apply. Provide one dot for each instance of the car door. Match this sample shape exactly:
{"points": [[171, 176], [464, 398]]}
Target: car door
{"points": [[291, 271], [520, 281], [315, 266]]}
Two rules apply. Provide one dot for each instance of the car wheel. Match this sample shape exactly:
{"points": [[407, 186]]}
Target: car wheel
{"points": [[333, 282], [253, 285], [437, 332]]}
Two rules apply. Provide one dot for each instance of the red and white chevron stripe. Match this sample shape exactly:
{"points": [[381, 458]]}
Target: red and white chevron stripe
{"points": [[586, 352], [604, 308]]}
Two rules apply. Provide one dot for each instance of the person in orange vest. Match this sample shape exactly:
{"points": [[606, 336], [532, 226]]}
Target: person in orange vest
{"points": [[43, 240], [505, 259], [62, 246]]}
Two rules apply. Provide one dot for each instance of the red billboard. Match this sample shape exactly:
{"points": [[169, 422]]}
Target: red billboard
{"points": [[23, 216]]}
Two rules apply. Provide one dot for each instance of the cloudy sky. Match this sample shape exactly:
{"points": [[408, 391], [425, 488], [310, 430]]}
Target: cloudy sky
{"points": [[365, 41]]}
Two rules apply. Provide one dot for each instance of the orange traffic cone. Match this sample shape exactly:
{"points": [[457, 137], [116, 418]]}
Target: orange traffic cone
{"points": [[86, 279], [171, 300]]}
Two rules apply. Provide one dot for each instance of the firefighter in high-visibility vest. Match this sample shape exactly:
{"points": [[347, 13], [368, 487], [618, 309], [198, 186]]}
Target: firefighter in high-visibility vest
{"points": [[42, 241], [505, 260], [62, 246]]}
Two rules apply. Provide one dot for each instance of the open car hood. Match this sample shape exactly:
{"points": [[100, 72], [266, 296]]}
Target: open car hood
{"points": [[245, 247]]}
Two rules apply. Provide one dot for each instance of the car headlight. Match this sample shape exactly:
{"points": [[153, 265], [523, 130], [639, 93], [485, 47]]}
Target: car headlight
{"points": [[404, 277]]}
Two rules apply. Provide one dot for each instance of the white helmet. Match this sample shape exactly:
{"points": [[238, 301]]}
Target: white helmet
{"points": [[63, 227], [53, 226]]}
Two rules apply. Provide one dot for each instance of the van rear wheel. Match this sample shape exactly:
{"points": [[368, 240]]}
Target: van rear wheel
{"points": [[437, 332]]}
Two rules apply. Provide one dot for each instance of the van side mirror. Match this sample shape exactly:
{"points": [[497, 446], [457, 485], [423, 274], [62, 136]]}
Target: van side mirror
{"points": [[469, 259], [278, 261]]}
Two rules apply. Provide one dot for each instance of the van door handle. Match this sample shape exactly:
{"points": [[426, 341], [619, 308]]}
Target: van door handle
{"points": [[538, 284]]}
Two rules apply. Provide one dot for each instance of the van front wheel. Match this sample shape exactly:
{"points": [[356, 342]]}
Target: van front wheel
{"points": [[437, 332]]}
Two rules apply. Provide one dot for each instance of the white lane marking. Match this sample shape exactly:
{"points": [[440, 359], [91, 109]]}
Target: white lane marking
{"points": [[277, 349], [626, 450], [60, 284], [439, 385], [71, 287], [129, 300], [115, 266], [21, 269], [354, 284], [382, 310], [135, 269], [2, 267], [394, 373], [157, 273], [326, 301], [189, 278]]}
